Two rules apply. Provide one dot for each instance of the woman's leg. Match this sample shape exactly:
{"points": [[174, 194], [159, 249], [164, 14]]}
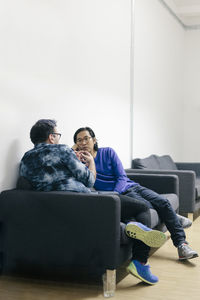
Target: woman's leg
{"points": [[164, 210]]}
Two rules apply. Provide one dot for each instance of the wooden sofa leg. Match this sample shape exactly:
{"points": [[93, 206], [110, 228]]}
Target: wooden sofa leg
{"points": [[190, 216], [109, 283], [195, 215]]}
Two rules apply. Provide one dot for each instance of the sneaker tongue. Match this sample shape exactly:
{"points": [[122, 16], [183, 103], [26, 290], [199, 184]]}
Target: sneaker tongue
{"points": [[146, 266], [182, 244]]}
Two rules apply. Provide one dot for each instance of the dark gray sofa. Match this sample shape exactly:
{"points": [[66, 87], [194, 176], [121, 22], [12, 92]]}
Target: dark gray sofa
{"points": [[188, 174], [68, 235]]}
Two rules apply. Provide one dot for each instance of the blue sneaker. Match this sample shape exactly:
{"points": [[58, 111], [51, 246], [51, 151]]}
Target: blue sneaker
{"points": [[152, 238], [142, 272]]}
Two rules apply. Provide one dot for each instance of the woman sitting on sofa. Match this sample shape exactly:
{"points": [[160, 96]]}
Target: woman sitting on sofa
{"points": [[110, 176]]}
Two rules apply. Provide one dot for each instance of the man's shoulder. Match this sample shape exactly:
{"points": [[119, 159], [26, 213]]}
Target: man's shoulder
{"points": [[56, 147], [43, 149], [60, 146]]}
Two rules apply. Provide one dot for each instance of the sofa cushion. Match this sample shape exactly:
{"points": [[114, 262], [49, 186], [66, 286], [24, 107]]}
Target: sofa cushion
{"points": [[165, 162], [155, 162], [173, 199], [149, 162], [197, 188]]}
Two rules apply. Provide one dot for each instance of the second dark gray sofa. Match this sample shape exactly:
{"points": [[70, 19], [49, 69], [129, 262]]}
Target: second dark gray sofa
{"points": [[188, 175]]}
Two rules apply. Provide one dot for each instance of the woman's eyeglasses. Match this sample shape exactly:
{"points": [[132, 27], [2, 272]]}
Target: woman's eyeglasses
{"points": [[85, 139]]}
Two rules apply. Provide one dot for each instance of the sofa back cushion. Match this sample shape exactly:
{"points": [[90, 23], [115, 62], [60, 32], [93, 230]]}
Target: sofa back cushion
{"points": [[166, 163], [23, 184], [154, 162], [149, 162]]}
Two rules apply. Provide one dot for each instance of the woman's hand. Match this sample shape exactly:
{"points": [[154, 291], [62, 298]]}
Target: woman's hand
{"points": [[75, 147], [86, 158]]}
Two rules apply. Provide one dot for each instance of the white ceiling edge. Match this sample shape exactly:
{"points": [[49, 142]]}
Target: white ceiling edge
{"points": [[184, 16]]}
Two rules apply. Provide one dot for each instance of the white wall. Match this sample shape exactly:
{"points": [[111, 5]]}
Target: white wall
{"points": [[191, 145], [159, 42], [68, 60]]}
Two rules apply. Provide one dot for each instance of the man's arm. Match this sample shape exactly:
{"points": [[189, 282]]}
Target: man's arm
{"points": [[82, 173]]}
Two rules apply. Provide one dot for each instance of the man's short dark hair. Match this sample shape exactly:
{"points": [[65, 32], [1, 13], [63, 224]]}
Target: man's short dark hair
{"points": [[91, 132], [41, 130]]}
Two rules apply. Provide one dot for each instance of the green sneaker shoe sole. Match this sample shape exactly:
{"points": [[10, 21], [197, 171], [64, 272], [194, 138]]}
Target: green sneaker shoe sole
{"points": [[152, 238]]}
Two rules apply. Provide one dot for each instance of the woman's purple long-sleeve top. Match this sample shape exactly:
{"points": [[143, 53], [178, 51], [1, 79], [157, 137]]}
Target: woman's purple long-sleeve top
{"points": [[110, 172]]}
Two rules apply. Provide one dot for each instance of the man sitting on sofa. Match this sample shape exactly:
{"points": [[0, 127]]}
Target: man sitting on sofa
{"points": [[51, 166]]}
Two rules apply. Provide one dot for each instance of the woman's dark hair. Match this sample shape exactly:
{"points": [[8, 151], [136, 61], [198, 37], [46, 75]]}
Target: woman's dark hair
{"points": [[91, 132], [41, 130]]}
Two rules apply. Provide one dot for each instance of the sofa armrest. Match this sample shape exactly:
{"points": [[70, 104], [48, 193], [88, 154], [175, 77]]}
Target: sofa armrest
{"points": [[189, 166], [186, 186], [162, 184], [59, 230]]}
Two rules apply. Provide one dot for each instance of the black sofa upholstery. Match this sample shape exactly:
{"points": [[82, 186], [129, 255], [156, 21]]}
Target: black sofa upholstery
{"points": [[61, 234], [66, 234], [188, 174], [45, 226]]}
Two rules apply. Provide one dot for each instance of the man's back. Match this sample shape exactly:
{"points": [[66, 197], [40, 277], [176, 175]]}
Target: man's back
{"points": [[51, 167]]}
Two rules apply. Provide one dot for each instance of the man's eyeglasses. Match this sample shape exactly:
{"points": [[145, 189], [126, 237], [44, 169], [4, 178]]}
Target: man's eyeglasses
{"points": [[85, 139], [58, 134]]}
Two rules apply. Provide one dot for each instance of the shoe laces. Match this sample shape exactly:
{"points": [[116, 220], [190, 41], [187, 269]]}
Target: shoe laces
{"points": [[183, 245]]}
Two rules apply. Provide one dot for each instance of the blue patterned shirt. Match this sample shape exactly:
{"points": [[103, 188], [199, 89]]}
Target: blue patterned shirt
{"points": [[55, 167]]}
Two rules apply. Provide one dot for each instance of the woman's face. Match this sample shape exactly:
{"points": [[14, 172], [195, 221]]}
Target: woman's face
{"points": [[85, 142]]}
